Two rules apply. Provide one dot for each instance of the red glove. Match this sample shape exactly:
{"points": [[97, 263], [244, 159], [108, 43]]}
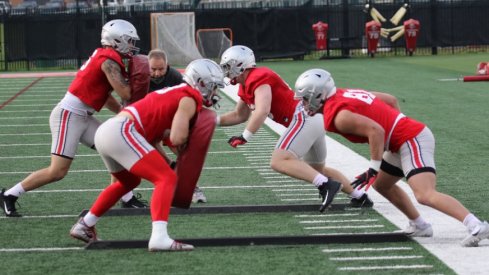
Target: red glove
{"points": [[237, 140], [365, 180]]}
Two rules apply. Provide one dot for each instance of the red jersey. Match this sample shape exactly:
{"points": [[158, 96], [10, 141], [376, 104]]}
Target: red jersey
{"points": [[90, 84], [154, 113], [398, 128], [283, 102]]}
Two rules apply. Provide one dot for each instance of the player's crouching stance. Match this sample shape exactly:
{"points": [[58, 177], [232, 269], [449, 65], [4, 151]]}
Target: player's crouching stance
{"points": [[130, 148], [399, 146]]}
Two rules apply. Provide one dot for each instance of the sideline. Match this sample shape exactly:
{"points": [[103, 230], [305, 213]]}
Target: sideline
{"points": [[37, 74], [448, 232]]}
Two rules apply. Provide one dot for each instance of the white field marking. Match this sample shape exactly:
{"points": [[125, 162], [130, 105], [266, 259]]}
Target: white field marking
{"points": [[313, 198], [43, 217], [264, 140], [343, 227], [269, 173], [277, 177], [23, 99], [375, 258], [277, 181], [33, 157], [31, 105], [25, 144], [384, 267], [40, 117], [260, 163], [298, 194], [25, 125], [368, 249], [450, 79], [44, 100], [105, 171], [251, 142], [26, 134], [339, 221], [24, 111], [258, 157], [327, 215], [40, 249], [255, 146], [294, 190]]}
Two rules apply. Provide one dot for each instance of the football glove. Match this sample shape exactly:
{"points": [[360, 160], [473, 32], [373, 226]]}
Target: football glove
{"points": [[173, 165], [237, 140], [365, 180]]}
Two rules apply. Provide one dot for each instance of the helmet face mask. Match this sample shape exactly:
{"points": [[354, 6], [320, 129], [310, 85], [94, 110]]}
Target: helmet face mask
{"points": [[120, 35], [207, 77], [235, 60], [313, 87]]}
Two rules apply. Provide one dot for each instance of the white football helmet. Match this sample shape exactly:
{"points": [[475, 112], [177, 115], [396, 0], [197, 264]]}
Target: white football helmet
{"points": [[313, 87], [206, 76], [121, 35], [236, 59]]}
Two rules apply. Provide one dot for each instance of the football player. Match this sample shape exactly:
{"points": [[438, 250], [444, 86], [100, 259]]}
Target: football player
{"points": [[130, 145], [163, 76], [399, 147], [72, 119], [263, 93]]}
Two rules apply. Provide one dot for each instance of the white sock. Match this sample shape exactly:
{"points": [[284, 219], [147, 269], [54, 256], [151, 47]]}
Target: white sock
{"points": [[90, 219], [319, 180], [159, 236], [127, 197], [471, 222], [420, 223], [17, 190], [357, 193]]}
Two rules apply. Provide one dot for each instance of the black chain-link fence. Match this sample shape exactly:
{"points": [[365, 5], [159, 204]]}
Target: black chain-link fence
{"points": [[38, 37]]}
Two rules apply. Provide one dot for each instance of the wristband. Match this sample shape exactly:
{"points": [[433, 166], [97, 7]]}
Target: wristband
{"points": [[247, 135], [375, 164], [218, 120]]}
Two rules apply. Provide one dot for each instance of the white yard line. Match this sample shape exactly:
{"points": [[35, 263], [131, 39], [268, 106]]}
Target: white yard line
{"points": [[41, 249], [376, 258], [367, 249], [384, 267], [448, 232]]}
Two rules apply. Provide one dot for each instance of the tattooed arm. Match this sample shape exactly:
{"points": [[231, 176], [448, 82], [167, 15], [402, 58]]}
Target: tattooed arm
{"points": [[113, 105], [113, 72]]}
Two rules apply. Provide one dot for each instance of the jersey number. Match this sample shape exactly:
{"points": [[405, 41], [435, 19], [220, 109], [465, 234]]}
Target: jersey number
{"points": [[360, 95]]}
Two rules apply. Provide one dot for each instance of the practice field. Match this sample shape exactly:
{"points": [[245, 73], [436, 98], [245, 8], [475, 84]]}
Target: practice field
{"points": [[39, 242]]}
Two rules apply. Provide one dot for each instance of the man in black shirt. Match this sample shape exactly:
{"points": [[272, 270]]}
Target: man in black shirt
{"points": [[162, 76]]}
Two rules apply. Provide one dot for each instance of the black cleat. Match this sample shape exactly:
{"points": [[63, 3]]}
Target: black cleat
{"points": [[363, 201], [135, 202], [328, 191], [8, 204]]}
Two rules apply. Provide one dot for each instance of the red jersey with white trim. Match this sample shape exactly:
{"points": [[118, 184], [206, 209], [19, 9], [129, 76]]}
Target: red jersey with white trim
{"points": [[367, 104], [283, 102], [90, 84], [154, 113]]}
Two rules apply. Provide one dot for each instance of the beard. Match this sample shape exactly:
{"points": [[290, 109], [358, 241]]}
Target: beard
{"points": [[157, 80]]}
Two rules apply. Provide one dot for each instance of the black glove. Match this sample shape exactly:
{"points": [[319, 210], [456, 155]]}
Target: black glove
{"points": [[365, 180], [237, 140], [173, 165]]}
